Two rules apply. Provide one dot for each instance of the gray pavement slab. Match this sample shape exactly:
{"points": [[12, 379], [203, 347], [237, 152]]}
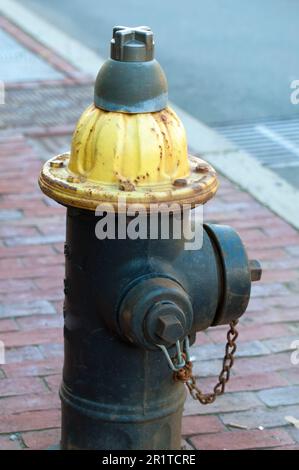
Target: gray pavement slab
{"points": [[18, 64]]}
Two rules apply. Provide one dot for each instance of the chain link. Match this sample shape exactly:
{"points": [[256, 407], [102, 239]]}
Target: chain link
{"points": [[185, 374]]}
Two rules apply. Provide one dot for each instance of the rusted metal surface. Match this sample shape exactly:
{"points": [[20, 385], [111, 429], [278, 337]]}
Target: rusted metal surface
{"points": [[185, 374], [81, 193]]}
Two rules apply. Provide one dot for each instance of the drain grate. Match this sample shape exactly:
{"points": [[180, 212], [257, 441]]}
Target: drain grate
{"points": [[274, 143]]}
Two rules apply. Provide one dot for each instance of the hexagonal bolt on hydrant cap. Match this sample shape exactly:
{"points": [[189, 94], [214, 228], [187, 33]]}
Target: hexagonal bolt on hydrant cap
{"points": [[169, 328], [168, 324]]}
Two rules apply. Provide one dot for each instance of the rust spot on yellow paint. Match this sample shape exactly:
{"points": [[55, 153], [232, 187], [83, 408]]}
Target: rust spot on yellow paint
{"points": [[117, 152], [126, 186]]}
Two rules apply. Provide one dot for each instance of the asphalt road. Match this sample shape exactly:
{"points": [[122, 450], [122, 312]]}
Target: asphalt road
{"points": [[226, 60]]}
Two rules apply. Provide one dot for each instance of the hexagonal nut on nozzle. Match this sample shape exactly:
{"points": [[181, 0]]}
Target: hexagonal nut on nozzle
{"points": [[169, 328], [255, 270]]}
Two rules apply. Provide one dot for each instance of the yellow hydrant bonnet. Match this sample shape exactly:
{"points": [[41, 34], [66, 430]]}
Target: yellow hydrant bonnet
{"points": [[131, 146]]}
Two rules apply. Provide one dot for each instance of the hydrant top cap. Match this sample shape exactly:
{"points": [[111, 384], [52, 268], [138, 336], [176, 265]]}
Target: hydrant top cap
{"points": [[131, 80], [132, 44]]}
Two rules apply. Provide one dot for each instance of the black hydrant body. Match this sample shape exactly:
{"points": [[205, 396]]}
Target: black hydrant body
{"points": [[114, 395], [132, 303]]}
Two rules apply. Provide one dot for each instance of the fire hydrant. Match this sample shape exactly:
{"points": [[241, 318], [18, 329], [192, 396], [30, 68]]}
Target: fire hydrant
{"points": [[133, 304]]}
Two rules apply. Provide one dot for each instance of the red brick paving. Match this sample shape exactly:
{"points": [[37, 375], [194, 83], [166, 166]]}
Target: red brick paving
{"points": [[263, 384], [237, 440], [41, 439]]}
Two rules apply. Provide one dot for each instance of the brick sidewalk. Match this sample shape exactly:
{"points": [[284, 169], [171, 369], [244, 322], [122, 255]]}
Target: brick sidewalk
{"points": [[265, 385]]}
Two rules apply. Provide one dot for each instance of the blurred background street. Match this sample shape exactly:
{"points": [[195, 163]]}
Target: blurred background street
{"points": [[228, 63]]}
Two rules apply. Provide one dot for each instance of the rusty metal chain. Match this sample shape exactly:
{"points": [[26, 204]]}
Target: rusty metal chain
{"points": [[185, 374]]}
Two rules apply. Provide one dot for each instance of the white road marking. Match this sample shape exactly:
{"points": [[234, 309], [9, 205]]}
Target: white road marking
{"points": [[272, 191], [240, 167], [279, 139]]}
